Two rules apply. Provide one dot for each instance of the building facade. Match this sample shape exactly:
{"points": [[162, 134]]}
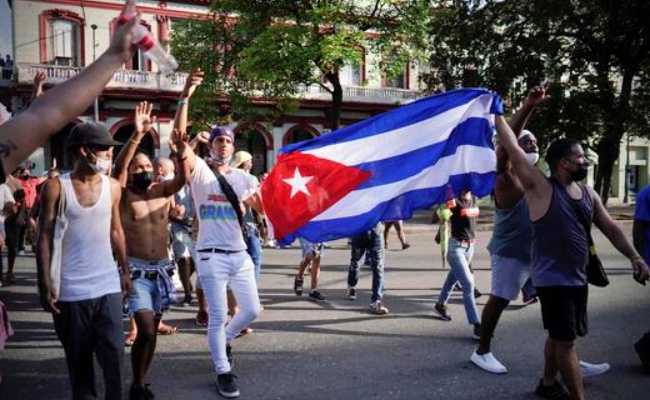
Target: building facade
{"points": [[61, 37]]}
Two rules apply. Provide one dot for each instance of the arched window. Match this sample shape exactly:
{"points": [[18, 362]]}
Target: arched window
{"points": [[62, 38]]}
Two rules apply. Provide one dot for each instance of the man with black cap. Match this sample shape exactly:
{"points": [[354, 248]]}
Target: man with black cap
{"points": [[145, 210], [218, 191], [87, 308]]}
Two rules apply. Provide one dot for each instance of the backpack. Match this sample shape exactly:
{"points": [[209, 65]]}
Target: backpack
{"points": [[642, 348]]}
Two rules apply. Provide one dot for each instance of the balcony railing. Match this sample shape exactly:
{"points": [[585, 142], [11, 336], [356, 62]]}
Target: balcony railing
{"points": [[360, 92], [122, 79], [146, 80]]}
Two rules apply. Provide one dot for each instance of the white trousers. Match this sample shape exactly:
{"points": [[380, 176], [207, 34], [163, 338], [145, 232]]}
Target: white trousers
{"points": [[218, 271]]}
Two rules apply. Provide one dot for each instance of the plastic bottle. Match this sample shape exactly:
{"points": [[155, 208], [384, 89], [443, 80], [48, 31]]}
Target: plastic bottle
{"points": [[151, 48], [451, 201]]}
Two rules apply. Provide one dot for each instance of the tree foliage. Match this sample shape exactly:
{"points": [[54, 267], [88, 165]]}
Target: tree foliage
{"points": [[595, 52], [263, 50]]}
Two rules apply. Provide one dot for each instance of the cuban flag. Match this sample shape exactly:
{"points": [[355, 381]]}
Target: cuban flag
{"points": [[384, 168]]}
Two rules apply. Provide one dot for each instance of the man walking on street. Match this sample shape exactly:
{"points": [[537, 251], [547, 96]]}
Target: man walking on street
{"points": [[87, 310], [560, 256], [145, 211]]}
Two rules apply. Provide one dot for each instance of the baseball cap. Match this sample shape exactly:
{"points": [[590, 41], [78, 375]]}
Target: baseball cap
{"points": [[222, 131], [90, 133], [240, 158]]}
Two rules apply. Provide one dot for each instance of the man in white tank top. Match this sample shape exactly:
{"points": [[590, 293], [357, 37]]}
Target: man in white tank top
{"points": [[145, 218], [87, 311]]}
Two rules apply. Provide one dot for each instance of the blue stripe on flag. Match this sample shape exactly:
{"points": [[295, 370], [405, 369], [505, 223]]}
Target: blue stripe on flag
{"points": [[409, 114], [400, 207], [473, 132]]}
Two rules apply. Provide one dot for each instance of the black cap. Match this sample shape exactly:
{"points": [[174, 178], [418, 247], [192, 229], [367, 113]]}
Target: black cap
{"points": [[90, 133]]}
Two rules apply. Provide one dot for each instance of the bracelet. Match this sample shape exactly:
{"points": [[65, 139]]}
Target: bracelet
{"points": [[182, 159], [182, 102], [136, 142], [635, 258]]}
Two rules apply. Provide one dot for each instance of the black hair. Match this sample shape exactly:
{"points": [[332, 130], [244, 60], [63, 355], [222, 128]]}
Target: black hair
{"points": [[558, 150]]}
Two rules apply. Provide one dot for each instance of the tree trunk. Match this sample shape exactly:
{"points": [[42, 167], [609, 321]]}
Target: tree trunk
{"points": [[337, 99], [609, 146]]}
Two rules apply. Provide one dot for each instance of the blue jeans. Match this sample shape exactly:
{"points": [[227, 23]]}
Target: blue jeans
{"points": [[254, 249], [459, 256], [371, 241]]}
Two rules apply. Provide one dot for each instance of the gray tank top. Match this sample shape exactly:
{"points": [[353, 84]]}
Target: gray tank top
{"points": [[512, 232], [560, 246]]}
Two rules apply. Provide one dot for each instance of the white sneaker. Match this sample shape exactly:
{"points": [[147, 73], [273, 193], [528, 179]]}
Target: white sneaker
{"points": [[488, 362], [588, 369]]}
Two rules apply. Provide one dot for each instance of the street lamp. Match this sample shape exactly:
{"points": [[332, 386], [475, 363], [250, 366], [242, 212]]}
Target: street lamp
{"points": [[94, 28]]}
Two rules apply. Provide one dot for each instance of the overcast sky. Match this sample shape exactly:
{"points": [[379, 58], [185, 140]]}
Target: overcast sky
{"points": [[5, 28]]}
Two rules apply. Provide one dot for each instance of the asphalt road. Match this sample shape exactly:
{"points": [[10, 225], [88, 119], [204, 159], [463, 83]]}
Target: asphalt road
{"points": [[337, 350]]}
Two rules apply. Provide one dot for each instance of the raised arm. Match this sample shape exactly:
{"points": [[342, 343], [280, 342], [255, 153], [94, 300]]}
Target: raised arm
{"points": [[535, 97], [21, 135], [180, 119], [143, 121], [39, 81], [529, 176]]}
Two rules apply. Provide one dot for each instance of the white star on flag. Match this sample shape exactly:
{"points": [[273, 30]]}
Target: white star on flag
{"points": [[298, 183]]}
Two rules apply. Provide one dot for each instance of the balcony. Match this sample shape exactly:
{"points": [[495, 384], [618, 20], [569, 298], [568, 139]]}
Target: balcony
{"points": [[122, 79], [154, 81], [362, 94]]}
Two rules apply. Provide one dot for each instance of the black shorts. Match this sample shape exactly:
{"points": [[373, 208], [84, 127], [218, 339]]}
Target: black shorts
{"points": [[564, 311]]}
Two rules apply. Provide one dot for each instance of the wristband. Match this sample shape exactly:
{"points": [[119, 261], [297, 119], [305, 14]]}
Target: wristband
{"points": [[181, 102]]}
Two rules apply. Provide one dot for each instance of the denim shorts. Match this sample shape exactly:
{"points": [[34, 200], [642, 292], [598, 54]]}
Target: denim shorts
{"points": [[508, 276], [145, 296], [308, 247]]}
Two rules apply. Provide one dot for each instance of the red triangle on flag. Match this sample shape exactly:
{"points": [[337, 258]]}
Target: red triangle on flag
{"points": [[301, 186]]}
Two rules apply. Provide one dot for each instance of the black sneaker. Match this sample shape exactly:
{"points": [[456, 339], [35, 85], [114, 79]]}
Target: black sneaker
{"points": [[227, 386], [229, 356], [138, 392], [297, 286], [316, 296], [477, 293], [352, 294], [555, 391], [441, 311]]}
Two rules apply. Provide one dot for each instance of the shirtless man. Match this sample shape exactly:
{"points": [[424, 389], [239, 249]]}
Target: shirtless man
{"points": [[144, 209]]}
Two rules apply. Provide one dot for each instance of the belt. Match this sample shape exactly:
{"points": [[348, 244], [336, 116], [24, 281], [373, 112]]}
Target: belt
{"points": [[220, 251], [466, 241], [151, 275]]}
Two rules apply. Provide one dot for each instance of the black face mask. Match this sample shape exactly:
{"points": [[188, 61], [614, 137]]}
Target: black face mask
{"points": [[143, 179], [581, 173]]}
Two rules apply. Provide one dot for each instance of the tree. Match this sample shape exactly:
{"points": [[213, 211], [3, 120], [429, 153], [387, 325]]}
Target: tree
{"points": [[596, 52], [263, 50]]}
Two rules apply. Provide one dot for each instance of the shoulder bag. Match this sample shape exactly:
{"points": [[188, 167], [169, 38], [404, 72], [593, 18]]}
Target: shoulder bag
{"points": [[596, 274]]}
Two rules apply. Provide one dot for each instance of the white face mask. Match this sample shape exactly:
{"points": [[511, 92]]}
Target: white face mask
{"points": [[100, 165], [217, 159], [532, 158]]}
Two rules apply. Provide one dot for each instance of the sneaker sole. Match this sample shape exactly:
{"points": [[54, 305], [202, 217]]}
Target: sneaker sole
{"points": [[228, 395]]}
